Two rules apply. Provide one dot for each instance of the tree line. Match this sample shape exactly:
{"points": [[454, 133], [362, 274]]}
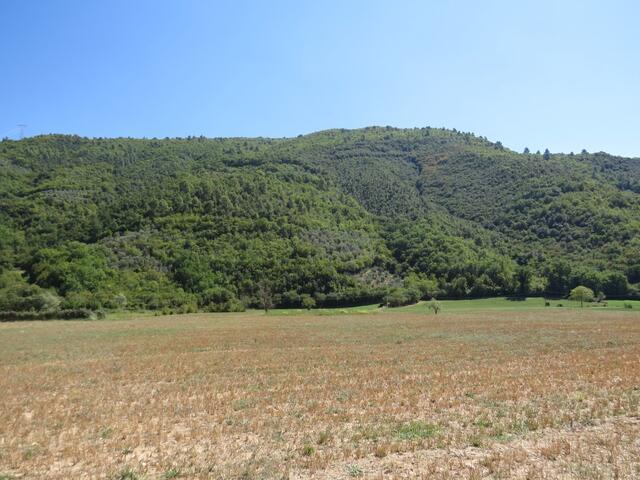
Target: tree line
{"points": [[336, 218]]}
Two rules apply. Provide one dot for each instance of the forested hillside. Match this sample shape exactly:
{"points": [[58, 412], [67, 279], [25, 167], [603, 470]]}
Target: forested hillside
{"points": [[338, 217]]}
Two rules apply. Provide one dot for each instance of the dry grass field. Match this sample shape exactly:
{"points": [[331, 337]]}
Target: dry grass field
{"points": [[524, 395]]}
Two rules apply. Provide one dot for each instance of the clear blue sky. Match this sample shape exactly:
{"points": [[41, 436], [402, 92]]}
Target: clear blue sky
{"points": [[557, 74]]}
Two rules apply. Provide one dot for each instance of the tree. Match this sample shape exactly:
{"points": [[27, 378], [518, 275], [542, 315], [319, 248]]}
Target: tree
{"points": [[435, 305], [307, 301], [265, 296], [426, 287], [120, 300], [581, 294], [458, 287], [524, 274], [526, 151], [633, 273], [47, 300], [558, 274], [547, 154], [615, 283], [397, 297], [483, 286]]}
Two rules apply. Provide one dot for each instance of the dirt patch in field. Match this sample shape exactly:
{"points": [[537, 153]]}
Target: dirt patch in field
{"points": [[608, 450]]}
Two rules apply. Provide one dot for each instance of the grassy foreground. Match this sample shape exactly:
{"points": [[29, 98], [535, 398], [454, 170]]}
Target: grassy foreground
{"points": [[541, 393]]}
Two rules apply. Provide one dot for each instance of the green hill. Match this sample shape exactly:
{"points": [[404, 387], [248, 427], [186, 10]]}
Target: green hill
{"points": [[340, 217]]}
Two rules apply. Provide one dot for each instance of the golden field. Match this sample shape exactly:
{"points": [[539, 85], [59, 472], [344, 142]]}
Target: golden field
{"points": [[525, 395]]}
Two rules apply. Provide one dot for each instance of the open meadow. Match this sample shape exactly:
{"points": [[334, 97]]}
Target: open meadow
{"points": [[525, 393]]}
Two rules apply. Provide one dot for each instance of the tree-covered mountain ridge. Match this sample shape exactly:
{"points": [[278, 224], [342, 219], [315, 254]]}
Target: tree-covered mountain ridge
{"points": [[337, 217]]}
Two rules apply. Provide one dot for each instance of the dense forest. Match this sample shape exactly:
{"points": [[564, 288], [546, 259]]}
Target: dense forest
{"points": [[339, 217]]}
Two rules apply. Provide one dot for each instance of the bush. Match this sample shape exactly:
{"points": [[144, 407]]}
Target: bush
{"points": [[307, 301], [435, 306], [220, 300], [81, 299], [401, 296], [18, 295], [120, 300]]}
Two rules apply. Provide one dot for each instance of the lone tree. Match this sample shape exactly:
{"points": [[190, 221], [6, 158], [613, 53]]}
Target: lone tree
{"points": [[435, 305], [265, 296], [581, 294]]}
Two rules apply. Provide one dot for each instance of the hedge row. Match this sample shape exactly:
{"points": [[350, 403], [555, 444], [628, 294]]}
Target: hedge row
{"points": [[75, 314]]}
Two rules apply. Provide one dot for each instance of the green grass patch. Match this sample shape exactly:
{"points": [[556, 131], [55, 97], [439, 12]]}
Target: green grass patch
{"points": [[368, 309], [171, 473], [508, 304], [466, 306], [355, 470], [127, 474], [416, 430], [241, 404], [308, 450]]}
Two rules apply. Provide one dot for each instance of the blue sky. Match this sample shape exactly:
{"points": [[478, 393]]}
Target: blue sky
{"points": [[558, 74]]}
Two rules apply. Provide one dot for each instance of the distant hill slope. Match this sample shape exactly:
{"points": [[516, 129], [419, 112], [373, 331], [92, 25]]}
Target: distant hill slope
{"points": [[337, 217]]}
